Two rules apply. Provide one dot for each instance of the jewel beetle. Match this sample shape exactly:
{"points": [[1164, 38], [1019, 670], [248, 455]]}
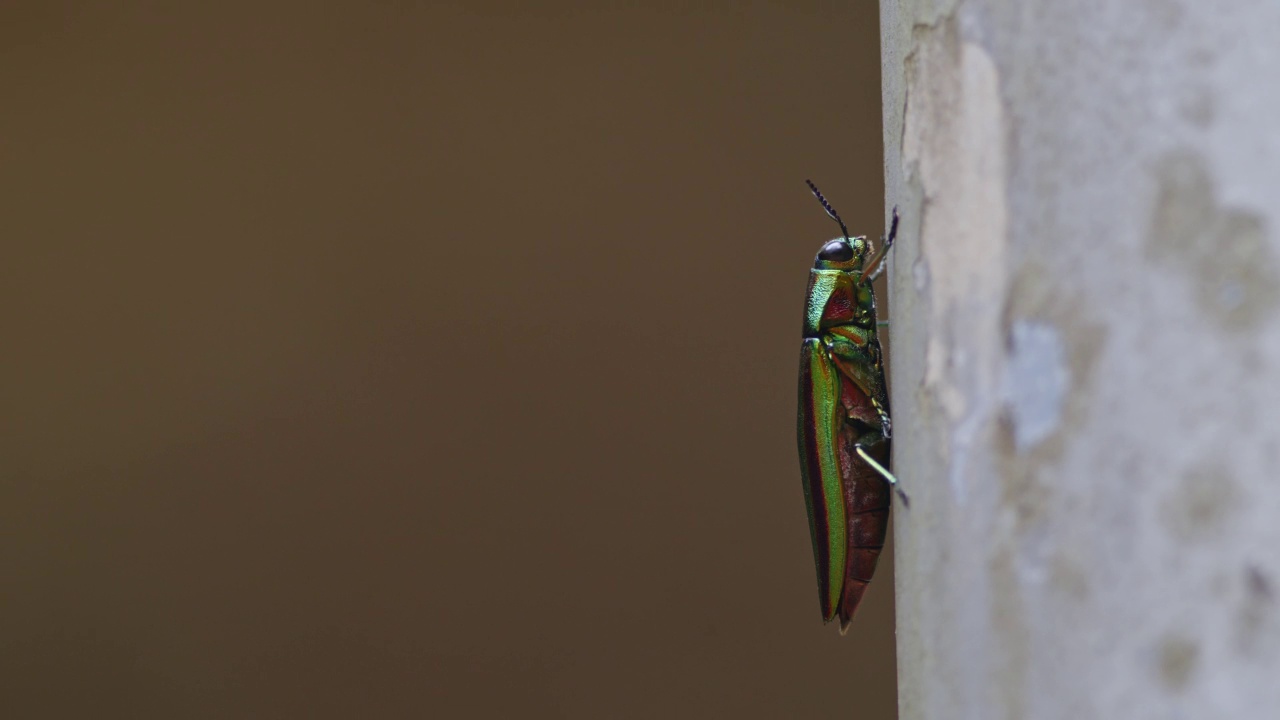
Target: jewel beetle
{"points": [[843, 426]]}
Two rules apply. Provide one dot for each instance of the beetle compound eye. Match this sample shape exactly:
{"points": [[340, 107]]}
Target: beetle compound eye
{"points": [[836, 251]]}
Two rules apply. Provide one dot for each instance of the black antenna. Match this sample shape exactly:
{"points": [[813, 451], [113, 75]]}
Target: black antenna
{"points": [[830, 210]]}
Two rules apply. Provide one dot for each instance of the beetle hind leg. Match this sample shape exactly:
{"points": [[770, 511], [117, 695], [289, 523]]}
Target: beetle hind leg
{"points": [[884, 472]]}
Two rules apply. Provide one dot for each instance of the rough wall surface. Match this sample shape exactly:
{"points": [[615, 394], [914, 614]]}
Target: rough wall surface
{"points": [[1087, 366]]}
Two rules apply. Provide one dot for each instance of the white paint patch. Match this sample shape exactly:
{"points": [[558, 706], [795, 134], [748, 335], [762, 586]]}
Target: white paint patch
{"points": [[920, 274], [1036, 382]]}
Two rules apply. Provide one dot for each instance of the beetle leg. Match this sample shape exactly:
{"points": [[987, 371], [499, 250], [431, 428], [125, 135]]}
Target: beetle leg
{"points": [[860, 361], [875, 265], [879, 268], [888, 476], [863, 375], [886, 425]]}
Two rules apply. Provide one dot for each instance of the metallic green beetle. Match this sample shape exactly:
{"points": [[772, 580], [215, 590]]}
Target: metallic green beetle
{"points": [[843, 425]]}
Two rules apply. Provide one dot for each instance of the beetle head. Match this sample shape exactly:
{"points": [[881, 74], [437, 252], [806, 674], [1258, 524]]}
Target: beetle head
{"points": [[841, 254]]}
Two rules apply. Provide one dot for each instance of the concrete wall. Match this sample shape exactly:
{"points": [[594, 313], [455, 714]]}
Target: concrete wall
{"points": [[1084, 306]]}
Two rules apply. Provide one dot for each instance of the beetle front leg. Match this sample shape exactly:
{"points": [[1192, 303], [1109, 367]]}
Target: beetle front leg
{"points": [[875, 265]]}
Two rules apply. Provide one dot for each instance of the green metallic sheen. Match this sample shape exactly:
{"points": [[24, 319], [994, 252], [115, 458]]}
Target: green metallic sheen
{"points": [[824, 383], [825, 281]]}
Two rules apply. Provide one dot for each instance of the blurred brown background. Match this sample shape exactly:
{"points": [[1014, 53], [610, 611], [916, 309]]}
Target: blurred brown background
{"points": [[422, 360]]}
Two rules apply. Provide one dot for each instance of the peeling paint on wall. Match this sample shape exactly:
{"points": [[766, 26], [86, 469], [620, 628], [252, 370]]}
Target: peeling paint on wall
{"points": [[953, 139]]}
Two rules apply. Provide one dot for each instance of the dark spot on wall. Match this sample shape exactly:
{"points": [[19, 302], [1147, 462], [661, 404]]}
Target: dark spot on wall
{"points": [[1069, 577], [1258, 585], [1256, 628], [1165, 17], [1197, 107], [1009, 623], [1178, 659], [1198, 508], [1022, 487], [1224, 251]]}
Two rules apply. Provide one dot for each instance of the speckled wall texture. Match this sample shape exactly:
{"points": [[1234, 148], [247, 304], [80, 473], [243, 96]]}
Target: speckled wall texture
{"points": [[1087, 380]]}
